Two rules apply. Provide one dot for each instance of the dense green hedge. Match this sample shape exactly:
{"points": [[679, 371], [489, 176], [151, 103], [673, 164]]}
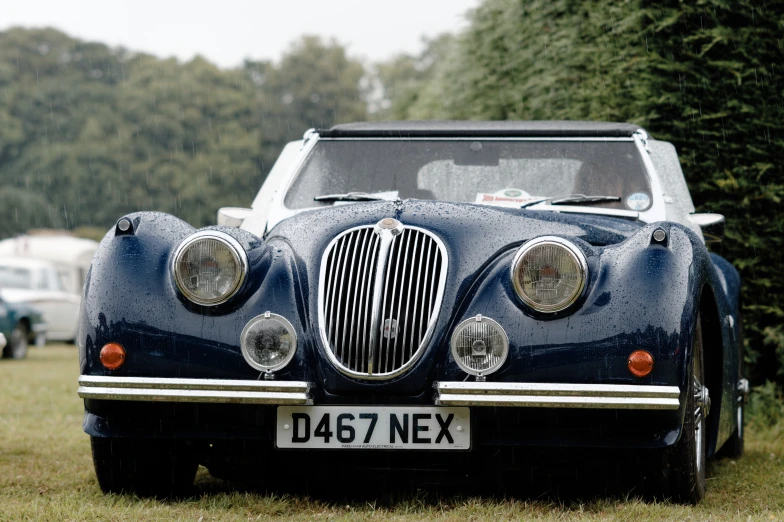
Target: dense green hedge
{"points": [[706, 75]]}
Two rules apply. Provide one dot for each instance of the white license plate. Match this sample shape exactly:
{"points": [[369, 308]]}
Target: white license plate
{"points": [[373, 427]]}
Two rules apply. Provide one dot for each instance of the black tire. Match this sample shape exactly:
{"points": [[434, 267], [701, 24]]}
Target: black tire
{"points": [[687, 459], [147, 468], [18, 343]]}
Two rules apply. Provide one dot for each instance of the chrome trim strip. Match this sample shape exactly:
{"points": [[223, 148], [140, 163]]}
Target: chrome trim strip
{"points": [[484, 138], [558, 395], [159, 389]]}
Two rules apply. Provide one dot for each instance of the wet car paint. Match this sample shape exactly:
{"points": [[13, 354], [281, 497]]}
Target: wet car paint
{"points": [[640, 295]]}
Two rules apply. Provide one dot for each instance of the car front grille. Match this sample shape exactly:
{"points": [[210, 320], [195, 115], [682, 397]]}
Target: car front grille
{"points": [[379, 296]]}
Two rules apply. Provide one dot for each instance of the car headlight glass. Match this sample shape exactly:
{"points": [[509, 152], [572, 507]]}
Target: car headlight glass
{"points": [[268, 342], [548, 274], [210, 267], [479, 345]]}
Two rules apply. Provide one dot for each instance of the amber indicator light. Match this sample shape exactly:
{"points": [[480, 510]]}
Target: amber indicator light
{"points": [[640, 363], [112, 356]]}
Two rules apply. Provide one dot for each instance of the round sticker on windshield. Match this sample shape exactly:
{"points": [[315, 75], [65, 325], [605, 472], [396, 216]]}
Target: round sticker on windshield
{"points": [[638, 201], [513, 193]]}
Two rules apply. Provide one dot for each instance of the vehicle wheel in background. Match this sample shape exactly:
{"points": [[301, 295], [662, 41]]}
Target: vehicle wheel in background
{"points": [[145, 467], [18, 343], [687, 458]]}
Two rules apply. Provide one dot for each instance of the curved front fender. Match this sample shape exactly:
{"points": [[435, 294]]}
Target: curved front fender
{"points": [[131, 299]]}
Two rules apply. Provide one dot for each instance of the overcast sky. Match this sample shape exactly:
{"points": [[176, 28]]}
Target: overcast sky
{"points": [[227, 31]]}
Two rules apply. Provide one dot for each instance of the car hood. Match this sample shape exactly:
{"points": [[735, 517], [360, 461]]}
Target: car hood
{"points": [[476, 228], [478, 242]]}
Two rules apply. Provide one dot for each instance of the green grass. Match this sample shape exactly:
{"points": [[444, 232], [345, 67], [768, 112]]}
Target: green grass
{"points": [[46, 474]]}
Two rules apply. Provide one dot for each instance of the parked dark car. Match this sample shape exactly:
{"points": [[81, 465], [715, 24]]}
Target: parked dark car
{"points": [[420, 286], [21, 324]]}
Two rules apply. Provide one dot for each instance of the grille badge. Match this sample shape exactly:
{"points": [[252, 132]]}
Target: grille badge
{"points": [[392, 225]]}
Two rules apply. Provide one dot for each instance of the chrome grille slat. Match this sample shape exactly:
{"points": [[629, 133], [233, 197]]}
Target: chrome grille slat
{"points": [[384, 294], [403, 277], [366, 310], [333, 282], [366, 286], [339, 288], [427, 271], [402, 239], [357, 283], [408, 298]]}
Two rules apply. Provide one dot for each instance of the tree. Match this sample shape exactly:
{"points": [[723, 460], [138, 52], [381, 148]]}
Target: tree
{"points": [[405, 79], [705, 75], [95, 132]]}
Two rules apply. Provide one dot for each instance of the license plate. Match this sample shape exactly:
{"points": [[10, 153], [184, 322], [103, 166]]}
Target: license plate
{"points": [[377, 427]]}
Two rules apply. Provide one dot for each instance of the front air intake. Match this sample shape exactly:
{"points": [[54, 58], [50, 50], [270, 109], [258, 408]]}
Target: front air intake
{"points": [[379, 295]]}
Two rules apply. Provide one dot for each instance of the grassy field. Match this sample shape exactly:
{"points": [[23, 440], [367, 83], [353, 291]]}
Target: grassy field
{"points": [[46, 474]]}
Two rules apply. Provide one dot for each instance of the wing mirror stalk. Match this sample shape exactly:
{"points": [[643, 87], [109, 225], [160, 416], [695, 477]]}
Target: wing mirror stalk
{"points": [[712, 226], [232, 216]]}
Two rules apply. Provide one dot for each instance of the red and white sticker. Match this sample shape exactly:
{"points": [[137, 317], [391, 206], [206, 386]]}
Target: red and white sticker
{"points": [[509, 197]]}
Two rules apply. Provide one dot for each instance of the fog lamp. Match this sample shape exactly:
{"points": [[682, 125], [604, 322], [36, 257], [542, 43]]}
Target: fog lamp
{"points": [[268, 342], [479, 345]]}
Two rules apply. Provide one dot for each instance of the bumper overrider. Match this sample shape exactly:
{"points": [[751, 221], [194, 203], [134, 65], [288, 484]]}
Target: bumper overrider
{"points": [[291, 393]]}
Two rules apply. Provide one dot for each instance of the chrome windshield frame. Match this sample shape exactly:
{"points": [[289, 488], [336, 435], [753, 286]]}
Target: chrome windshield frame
{"points": [[656, 212]]}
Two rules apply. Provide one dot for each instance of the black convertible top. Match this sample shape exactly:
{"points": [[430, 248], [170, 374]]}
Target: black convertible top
{"points": [[479, 129]]}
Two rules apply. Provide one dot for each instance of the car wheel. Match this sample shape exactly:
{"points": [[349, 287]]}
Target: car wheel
{"points": [[18, 343], [147, 468], [687, 458]]}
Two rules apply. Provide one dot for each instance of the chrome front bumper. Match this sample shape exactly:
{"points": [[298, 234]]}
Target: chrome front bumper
{"points": [[555, 395], [112, 388], [292, 393]]}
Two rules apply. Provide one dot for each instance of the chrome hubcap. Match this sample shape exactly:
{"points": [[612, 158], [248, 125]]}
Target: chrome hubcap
{"points": [[702, 404]]}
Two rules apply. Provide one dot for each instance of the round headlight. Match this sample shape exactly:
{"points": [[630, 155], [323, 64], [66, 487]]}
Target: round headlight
{"points": [[548, 274], [268, 342], [210, 267], [479, 345]]}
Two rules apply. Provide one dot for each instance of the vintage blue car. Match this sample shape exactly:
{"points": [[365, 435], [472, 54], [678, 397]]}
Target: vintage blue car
{"points": [[420, 288]]}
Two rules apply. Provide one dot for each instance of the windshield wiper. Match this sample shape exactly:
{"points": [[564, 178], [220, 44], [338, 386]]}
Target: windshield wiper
{"points": [[580, 199], [351, 196]]}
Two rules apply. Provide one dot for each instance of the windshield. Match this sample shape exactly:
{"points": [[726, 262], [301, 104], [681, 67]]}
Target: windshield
{"points": [[493, 172], [15, 277]]}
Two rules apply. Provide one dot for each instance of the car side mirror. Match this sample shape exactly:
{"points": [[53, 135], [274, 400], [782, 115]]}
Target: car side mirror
{"points": [[712, 226], [232, 216]]}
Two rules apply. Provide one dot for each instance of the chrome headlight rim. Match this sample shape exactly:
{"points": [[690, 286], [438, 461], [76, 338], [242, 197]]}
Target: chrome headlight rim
{"points": [[456, 357], [575, 252], [234, 246], [284, 362]]}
